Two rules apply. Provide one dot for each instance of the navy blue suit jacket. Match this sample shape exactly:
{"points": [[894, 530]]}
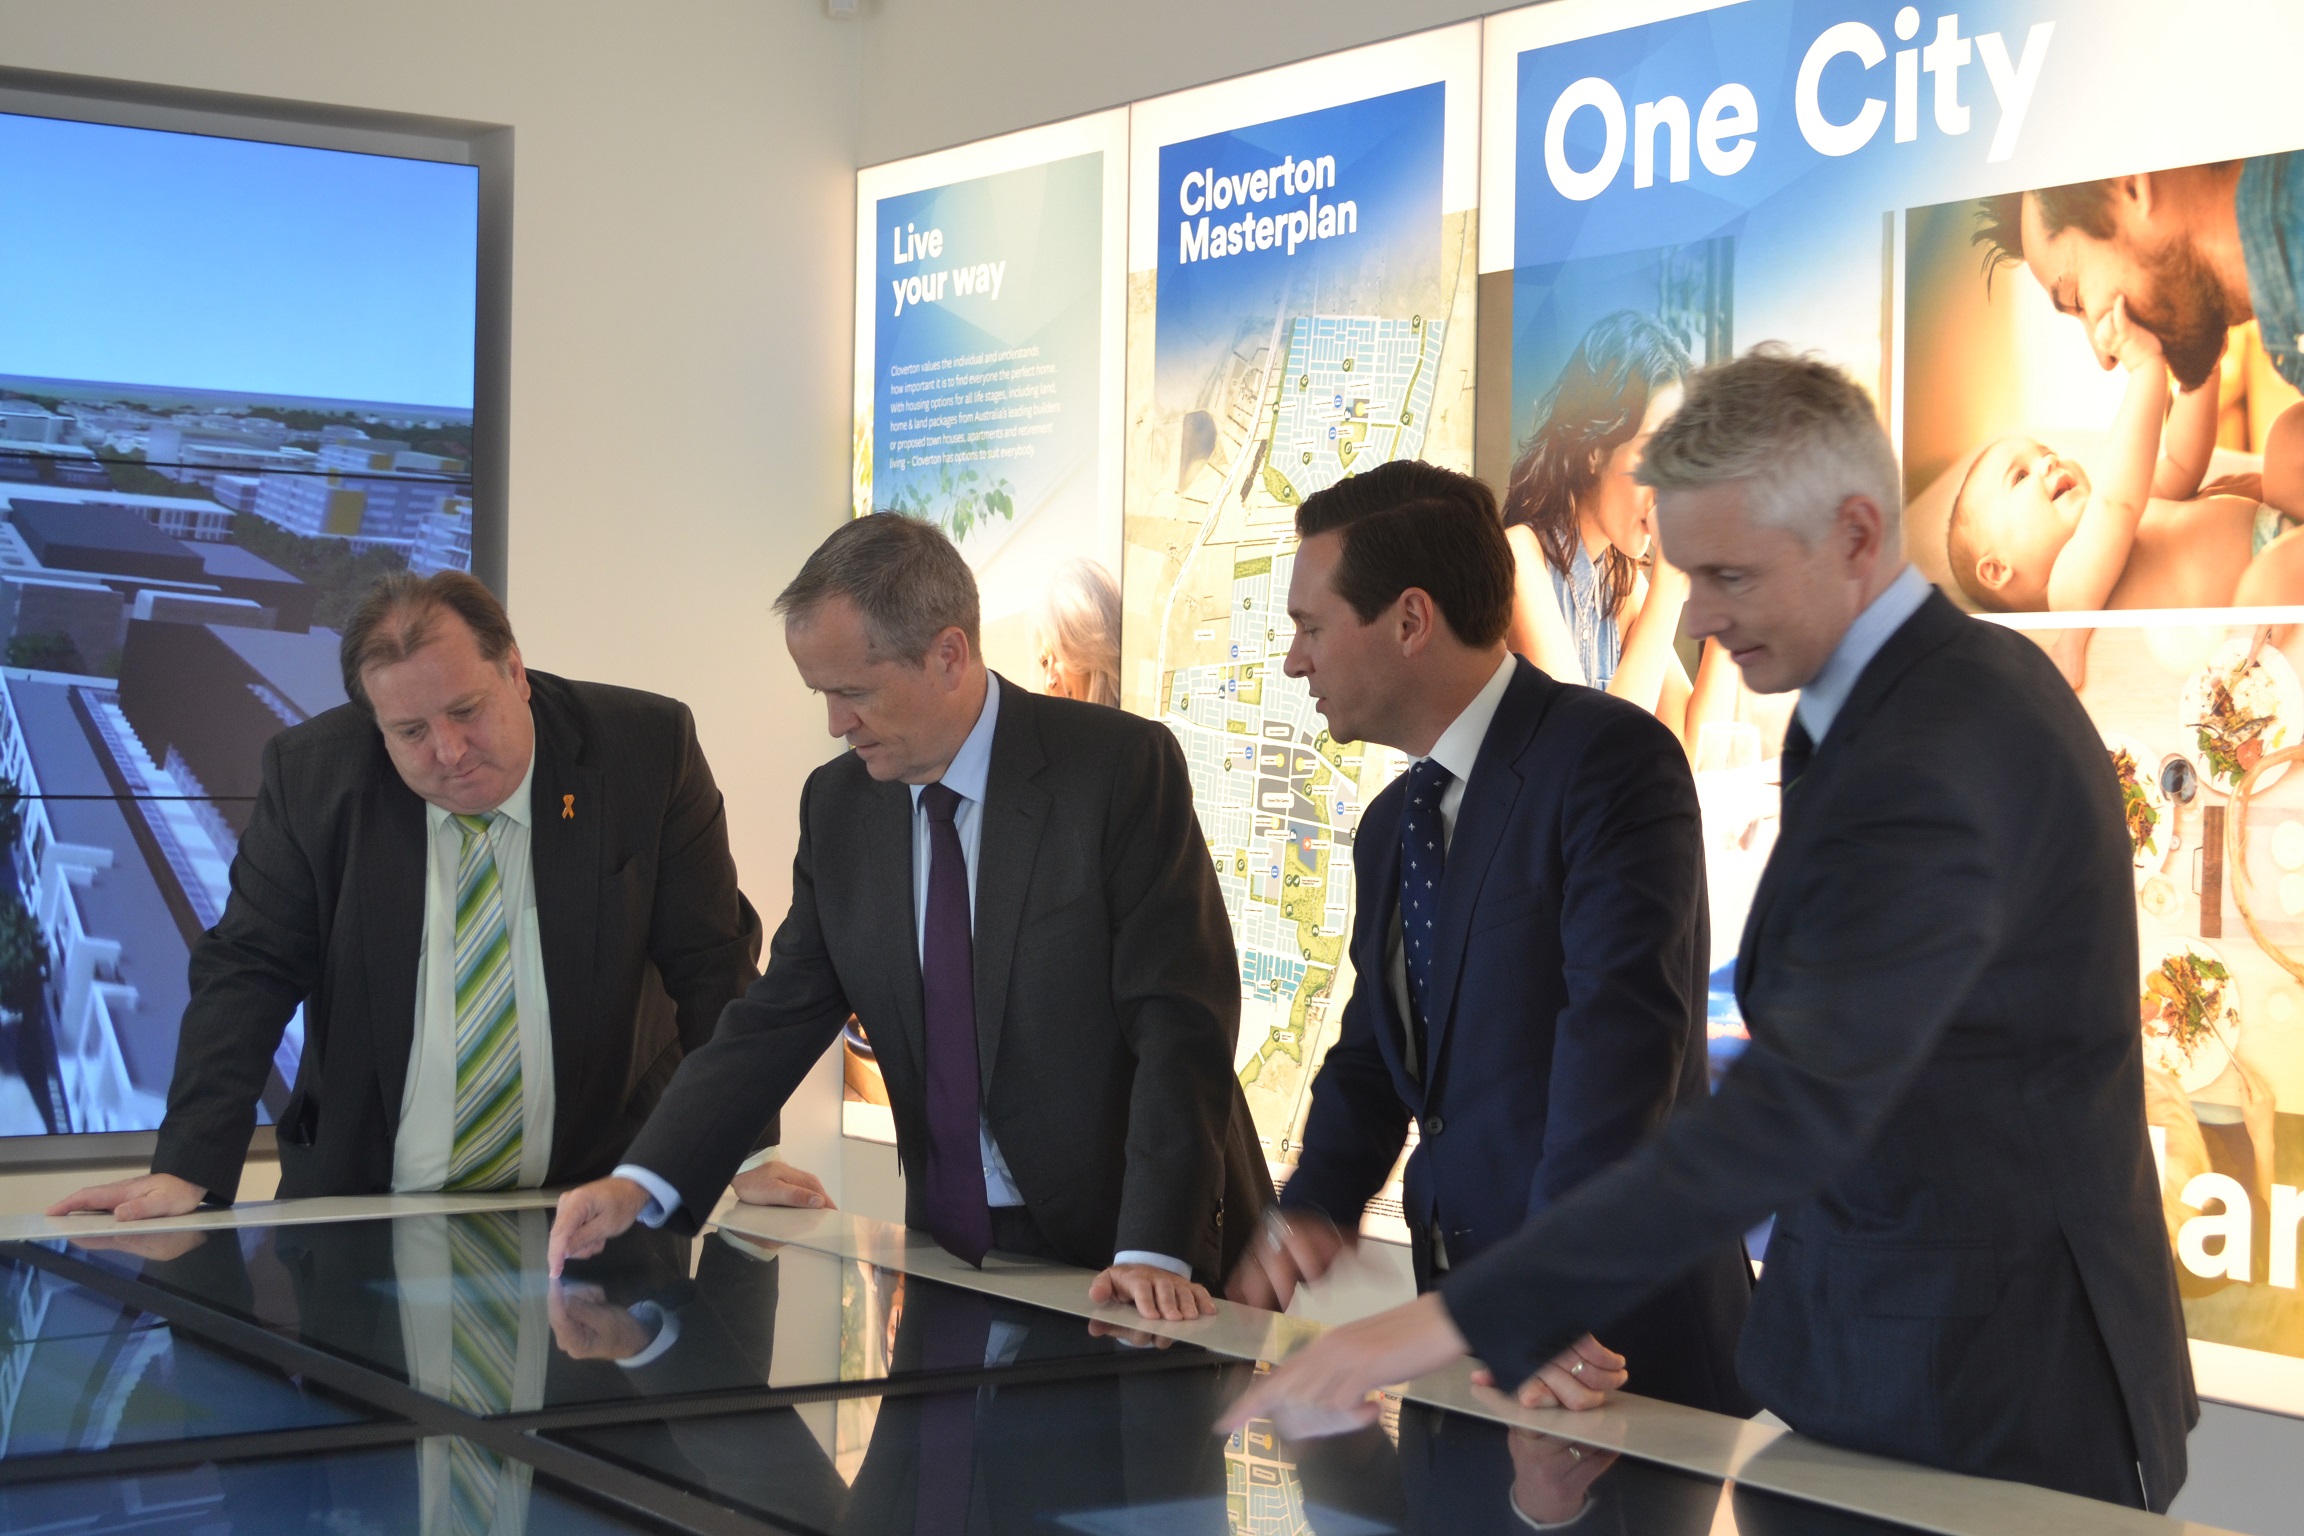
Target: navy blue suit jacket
{"points": [[1567, 1021]]}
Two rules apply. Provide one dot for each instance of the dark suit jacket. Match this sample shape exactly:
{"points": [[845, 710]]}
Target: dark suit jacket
{"points": [[644, 934], [1567, 1015], [1020, 1457], [1943, 1096], [1107, 995]]}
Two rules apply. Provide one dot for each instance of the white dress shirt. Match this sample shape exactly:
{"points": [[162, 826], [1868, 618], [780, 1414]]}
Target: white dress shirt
{"points": [[1820, 701], [1457, 750], [966, 776], [427, 1138]]}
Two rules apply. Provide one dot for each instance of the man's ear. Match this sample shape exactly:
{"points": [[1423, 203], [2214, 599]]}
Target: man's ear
{"points": [[2135, 196], [1415, 614]]}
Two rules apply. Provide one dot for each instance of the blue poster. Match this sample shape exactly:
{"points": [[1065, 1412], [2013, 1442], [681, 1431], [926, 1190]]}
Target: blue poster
{"points": [[986, 349], [1334, 213]]}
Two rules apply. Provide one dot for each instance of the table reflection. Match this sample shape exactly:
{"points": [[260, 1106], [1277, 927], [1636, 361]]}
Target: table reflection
{"points": [[80, 1372], [341, 1492], [461, 1307]]}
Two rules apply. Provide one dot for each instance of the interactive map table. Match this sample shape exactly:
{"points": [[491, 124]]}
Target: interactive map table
{"points": [[408, 1366]]}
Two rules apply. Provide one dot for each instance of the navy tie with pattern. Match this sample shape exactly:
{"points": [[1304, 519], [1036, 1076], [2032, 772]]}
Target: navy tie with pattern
{"points": [[1423, 858], [959, 1215]]}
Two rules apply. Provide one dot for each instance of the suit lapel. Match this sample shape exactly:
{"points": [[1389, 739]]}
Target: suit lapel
{"points": [[1378, 843], [1007, 844], [391, 886], [567, 820], [893, 931], [1934, 624], [1480, 818]]}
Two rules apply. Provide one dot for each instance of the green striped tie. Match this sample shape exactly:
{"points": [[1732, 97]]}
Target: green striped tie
{"points": [[488, 1099], [484, 1316]]}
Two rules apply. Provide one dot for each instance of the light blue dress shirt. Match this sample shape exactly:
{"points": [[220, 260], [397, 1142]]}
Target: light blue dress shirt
{"points": [[966, 776], [1820, 701]]}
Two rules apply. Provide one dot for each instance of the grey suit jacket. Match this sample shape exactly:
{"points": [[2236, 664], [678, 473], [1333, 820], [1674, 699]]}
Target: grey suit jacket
{"points": [[1107, 995]]}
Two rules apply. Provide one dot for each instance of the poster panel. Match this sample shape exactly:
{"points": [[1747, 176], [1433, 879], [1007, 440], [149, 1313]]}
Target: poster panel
{"points": [[989, 313], [1300, 308], [2054, 240]]}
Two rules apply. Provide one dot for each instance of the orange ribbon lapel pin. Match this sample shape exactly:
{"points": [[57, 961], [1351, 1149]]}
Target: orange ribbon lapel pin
{"points": [[567, 807]]}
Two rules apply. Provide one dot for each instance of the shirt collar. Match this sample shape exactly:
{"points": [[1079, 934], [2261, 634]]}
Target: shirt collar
{"points": [[1458, 748], [515, 808], [971, 766], [1820, 701]]}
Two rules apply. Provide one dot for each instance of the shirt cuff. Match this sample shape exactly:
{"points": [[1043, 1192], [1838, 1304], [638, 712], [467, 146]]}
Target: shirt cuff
{"points": [[663, 1199], [1156, 1260], [667, 1333]]}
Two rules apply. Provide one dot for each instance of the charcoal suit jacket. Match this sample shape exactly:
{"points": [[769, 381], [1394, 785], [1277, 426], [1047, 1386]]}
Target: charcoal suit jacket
{"points": [[1107, 993], [645, 937], [1943, 1096], [1567, 1012]]}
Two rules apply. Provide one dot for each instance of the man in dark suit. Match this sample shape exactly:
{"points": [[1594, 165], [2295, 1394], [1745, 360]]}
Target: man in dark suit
{"points": [[505, 903], [1531, 940], [1012, 895], [1944, 1092]]}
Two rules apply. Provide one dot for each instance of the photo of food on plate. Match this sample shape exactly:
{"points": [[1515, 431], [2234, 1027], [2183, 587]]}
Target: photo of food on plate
{"points": [[2201, 722]]}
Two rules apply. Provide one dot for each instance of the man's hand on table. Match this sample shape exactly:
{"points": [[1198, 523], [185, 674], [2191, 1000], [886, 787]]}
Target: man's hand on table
{"points": [[1323, 1389], [137, 1199], [1155, 1291], [1579, 1377], [782, 1184], [589, 1215], [1291, 1248]]}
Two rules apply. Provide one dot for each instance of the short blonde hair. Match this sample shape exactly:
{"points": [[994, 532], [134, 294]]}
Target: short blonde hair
{"points": [[1080, 621]]}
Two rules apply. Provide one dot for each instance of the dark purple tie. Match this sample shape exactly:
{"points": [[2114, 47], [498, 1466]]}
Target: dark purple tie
{"points": [[958, 1216]]}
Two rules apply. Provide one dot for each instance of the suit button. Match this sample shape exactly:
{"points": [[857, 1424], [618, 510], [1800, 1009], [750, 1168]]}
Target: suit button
{"points": [[1434, 1125]]}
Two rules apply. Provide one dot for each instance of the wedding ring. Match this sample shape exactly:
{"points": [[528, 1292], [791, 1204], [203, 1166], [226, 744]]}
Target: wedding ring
{"points": [[1577, 1369]]}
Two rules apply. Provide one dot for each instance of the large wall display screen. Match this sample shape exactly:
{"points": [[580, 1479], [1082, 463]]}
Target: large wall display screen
{"points": [[2092, 450], [1300, 294], [236, 383], [989, 305]]}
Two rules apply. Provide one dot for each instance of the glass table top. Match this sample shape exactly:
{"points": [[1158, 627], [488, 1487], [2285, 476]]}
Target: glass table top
{"points": [[719, 1384], [437, 1487], [1133, 1456], [80, 1372], [654, 1315]]}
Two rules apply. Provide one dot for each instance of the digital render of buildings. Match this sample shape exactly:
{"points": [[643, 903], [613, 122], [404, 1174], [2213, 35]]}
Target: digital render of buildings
{"points": [[134, 790]]}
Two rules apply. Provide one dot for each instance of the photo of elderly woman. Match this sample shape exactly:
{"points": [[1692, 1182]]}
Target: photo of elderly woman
{"points": [[1596, 603]]}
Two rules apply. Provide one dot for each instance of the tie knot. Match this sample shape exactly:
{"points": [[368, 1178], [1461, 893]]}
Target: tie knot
{"points": [[1426, 775], [474, 826], [941, 800]]}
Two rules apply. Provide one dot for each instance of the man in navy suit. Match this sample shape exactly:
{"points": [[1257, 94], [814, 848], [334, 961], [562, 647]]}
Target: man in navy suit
{"points": [[1532, 937]]}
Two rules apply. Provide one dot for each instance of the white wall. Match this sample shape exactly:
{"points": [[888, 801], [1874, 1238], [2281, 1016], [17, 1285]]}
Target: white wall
{"points": [[942, 72], [684, 185]]}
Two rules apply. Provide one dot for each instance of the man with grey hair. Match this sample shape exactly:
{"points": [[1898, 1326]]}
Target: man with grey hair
{"points": [[1012, 895], [1943, 1097]]}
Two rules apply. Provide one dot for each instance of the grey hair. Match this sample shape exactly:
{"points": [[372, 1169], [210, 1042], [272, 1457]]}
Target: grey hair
{"points": [[904, 576], [1798, 434]]}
